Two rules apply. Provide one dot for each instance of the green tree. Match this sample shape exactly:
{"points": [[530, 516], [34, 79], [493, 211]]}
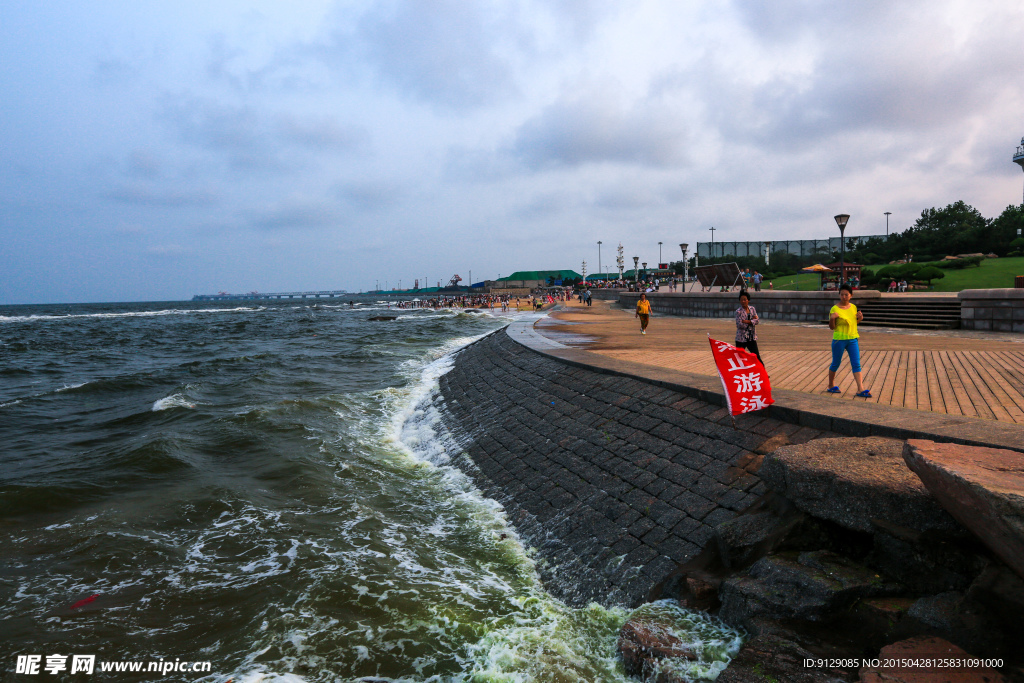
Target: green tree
{"points": [[1004, 230], [930, 273]]}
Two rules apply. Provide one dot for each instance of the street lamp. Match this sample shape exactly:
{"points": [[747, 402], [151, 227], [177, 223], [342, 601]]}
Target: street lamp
{"points": [[599, 257], [887, 214], [659, 255], [841, 221], [686, 265], [644, 264], [636, 271]]}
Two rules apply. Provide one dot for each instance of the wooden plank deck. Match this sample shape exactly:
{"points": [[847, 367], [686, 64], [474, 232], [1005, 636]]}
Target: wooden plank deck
{"points": [[954, 372]]}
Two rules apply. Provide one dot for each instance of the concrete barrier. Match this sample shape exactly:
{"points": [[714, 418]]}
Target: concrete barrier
{"points": [[996, 310], [795, 306]]}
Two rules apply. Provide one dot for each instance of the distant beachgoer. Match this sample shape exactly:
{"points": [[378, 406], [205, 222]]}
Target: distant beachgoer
{"points": [[756, 279], [643, 311], [842, 320], [746, 320]]}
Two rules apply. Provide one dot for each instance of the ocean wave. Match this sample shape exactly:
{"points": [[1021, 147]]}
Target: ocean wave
{"points": [[127, 314], [10, 403], [172, 401]]}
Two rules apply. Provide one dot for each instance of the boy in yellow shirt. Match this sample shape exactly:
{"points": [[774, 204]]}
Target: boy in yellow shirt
{"points": [[842, 320], [643, 311]]}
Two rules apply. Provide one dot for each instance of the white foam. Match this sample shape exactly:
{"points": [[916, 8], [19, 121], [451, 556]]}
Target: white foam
{"points": [[127, 314], [68, 387], [172, 401], [10, 403]]}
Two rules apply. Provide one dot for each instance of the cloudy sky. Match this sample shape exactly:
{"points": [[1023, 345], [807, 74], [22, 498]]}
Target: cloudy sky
{"points": [[153, 150]]}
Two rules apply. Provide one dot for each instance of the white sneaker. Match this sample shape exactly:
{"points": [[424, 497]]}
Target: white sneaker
{"points": [[643, 331]]}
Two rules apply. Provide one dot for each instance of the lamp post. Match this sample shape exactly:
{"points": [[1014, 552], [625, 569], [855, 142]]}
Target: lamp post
{"points": [[644, 264], [599, 257], [841, 221], [712, 241], [636, 271], [686, 265], [887, 214], [659, 255]]}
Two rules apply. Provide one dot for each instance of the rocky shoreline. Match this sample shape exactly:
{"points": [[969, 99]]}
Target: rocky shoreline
{"points": [[823, 548]]}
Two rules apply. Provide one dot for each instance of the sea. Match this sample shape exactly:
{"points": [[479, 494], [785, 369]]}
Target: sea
{"points": [[263, 489]]}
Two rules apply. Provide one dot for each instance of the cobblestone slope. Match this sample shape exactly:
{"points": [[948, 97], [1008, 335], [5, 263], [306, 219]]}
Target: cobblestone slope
{"points": [[613, 480]]}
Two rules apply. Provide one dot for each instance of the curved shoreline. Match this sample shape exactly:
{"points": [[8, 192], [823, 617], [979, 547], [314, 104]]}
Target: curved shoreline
{"points": [[614, 480]]}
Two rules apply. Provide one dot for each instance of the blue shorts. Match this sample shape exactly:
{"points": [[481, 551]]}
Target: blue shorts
{"points": [[851, 347]]}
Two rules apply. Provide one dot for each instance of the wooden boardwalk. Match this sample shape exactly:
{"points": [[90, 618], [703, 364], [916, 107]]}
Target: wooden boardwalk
{"points": [[958, 373]]}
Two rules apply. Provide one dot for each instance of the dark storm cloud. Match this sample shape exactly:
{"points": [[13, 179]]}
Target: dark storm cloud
{"points": [[595, 129]]}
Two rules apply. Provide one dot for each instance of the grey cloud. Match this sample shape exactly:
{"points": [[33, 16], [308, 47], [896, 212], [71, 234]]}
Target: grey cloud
{"points": [[143, 164], [872, 74], [594, 130], [295, 216], [169, 198], [252, 139], [319, 132], [369, 196], [445, 52]]}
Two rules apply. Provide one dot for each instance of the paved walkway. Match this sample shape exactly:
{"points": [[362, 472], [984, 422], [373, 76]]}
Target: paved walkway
{"points": [[975, 374]]}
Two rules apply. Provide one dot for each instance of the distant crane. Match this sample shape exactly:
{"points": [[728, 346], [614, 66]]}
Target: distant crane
{"points": [[454, 282]]}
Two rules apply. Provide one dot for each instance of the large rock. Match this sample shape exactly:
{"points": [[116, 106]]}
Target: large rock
{"points": [[644, 642], [983, 488], [811, 586], [853, 482], [917, 650], [777, 654]]}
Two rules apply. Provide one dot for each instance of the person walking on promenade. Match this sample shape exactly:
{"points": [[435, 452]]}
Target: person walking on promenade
{"points": [[756, 278], [746, 319], [842, 320], [643, 311]]}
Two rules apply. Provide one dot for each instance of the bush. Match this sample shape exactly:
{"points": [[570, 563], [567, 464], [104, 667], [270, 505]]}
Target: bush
{"points": [[887, 271], [867, 277], [1018, 244], [958, 264], [930, 273], [909, 270]]}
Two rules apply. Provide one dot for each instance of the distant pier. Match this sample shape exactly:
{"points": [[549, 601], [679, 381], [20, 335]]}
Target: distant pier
{"points": [[224, 296]]}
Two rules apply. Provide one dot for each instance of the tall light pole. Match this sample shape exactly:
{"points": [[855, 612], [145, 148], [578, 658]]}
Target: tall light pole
{"points": [[599, 257], [620, 261], [1018, 157], [686, 265], [841, 221], [712, 241], [887, 214], [659, 255], [636, 271]]}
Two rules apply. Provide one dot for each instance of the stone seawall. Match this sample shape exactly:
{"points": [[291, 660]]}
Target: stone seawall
{"points": [[614, 480], [793, 306]]}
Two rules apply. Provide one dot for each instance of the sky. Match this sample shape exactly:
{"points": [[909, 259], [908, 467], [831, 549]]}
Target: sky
{"points": [[155, 150]]}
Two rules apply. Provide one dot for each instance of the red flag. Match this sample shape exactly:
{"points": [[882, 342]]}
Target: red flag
{"points": [[743, 377]]}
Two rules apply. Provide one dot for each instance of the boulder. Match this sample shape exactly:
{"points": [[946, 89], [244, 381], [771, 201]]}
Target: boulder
{"points": [[923, 648], [643, 643], [810, 586], [777, 654], [983, 488], [853, 482]]}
